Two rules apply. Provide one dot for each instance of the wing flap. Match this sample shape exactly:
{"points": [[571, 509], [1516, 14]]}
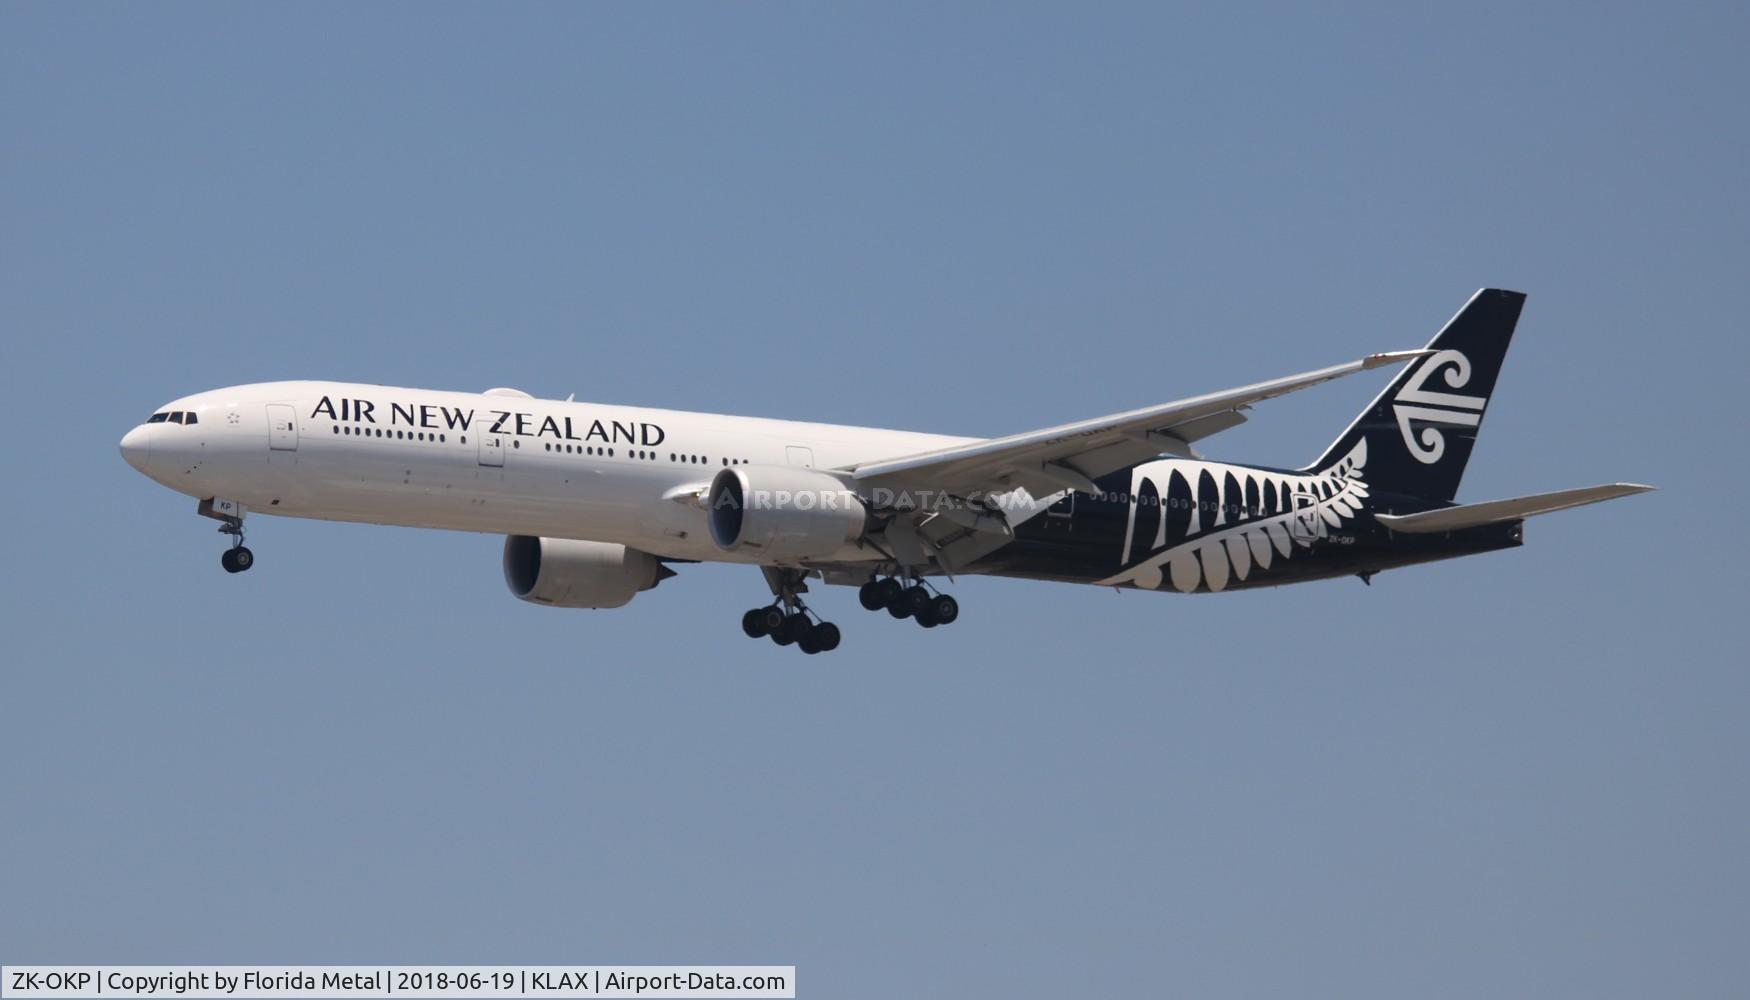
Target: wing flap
{"points": [[1471, 515]]}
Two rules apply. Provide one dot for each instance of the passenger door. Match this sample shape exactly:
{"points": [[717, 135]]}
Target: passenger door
{"points": [[1306, 524], [282, 427], [492, 449], [1061, 515]]}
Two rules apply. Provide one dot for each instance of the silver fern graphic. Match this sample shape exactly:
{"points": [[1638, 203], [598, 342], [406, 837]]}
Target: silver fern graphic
{"points": [[1305, 510]]}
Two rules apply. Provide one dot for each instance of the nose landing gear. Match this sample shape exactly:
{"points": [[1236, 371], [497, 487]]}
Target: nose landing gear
{"points": [[237, 558], [229, 513]]}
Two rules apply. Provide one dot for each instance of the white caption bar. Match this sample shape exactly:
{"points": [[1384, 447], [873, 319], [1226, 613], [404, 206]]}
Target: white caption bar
{"points": [[359, 981]]}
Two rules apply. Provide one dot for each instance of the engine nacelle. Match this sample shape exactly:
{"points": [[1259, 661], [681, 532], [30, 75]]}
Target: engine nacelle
{"points": [[781, 513], [566, 573]]}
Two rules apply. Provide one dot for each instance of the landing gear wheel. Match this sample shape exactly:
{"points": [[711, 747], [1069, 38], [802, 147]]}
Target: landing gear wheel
{"points": [[808, 645], [236, 560], [927, 617], [890, 591], [944, 609], [878, 594], [872, 595], [781, 637], [915, 599], [898, 610], [824, 637], [797, 626], [754, 623]]}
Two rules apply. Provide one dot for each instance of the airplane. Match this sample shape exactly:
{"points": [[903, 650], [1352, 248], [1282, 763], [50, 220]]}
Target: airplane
{"points": [[599, 503]]}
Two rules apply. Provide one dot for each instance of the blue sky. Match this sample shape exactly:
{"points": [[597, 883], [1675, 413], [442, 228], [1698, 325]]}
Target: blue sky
{"points": [[1521, 773]]}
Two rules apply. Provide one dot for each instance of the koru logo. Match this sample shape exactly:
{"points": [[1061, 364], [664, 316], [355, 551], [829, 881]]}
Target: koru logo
{"points": [[1433, 410]]}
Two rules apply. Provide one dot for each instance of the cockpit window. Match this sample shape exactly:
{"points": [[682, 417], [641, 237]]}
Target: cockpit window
{"points": [[190, 418], [176, 417], [158, 418]]}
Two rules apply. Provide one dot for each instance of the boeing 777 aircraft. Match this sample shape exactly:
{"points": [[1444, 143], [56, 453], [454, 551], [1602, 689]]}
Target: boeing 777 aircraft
{"points": [[599, 503]]}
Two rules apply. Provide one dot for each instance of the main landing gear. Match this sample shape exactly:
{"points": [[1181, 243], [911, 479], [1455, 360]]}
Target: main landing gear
{"points": [[919, 602], [787, 621], [791, 628]]}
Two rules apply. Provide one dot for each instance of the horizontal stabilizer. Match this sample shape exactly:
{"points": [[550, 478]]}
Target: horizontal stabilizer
{"points": [[1495, 511]]}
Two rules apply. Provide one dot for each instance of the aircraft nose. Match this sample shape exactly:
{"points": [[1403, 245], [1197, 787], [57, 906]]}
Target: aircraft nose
{"points": [[136, 447]]}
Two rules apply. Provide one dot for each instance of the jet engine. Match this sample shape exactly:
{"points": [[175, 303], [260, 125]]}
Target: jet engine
{"points": [[781, 513], [566, 573]]}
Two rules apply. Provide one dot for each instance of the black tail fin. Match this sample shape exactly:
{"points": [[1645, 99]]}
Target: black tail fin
{"points": [[1419, 432]]}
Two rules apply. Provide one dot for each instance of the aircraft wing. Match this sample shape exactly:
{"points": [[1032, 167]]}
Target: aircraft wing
{"points": [[1471, 515], [1069, 456]]}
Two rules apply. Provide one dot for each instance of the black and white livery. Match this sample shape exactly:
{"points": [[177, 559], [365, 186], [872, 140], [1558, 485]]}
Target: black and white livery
{"points": [[599, 503]]}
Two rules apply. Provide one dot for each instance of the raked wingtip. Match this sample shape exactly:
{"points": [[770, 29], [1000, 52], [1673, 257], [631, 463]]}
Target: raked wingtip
{"points": [[1392, 357]]}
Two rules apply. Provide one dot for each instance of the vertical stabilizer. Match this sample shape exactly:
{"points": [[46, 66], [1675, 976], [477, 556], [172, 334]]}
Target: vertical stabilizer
{"points": [[1419, 432]]}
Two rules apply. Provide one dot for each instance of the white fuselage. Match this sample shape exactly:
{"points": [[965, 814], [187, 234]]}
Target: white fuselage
{"points": [[497, 462]]}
